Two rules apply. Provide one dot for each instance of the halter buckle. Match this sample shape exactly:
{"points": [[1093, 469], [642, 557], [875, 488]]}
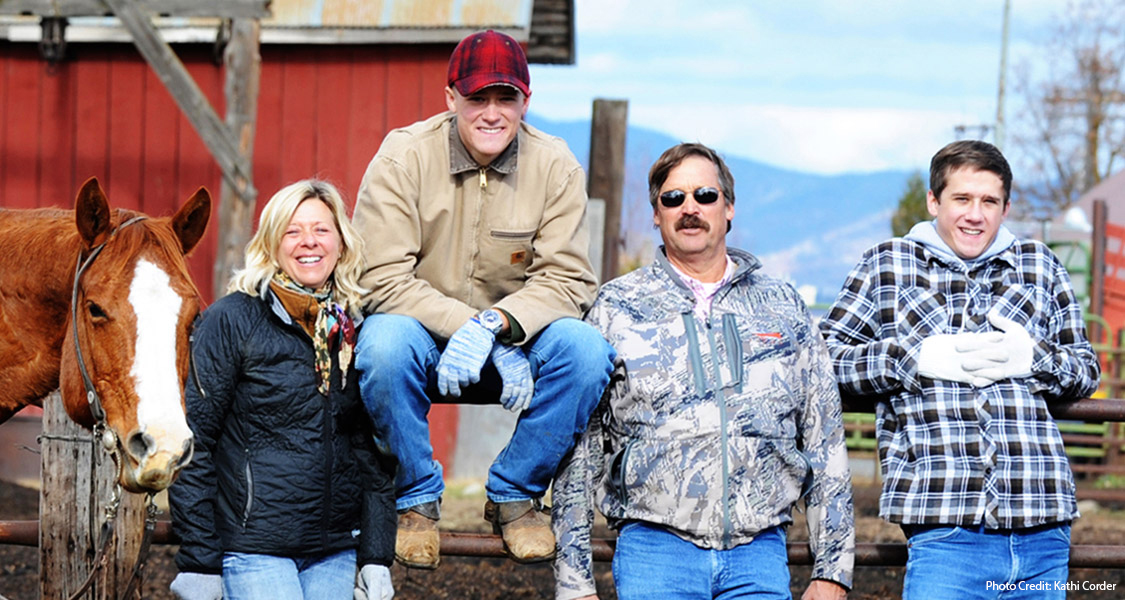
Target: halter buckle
{"points": [[109, 439]]}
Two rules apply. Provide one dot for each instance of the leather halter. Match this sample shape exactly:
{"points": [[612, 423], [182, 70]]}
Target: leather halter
{"points": [[110, 441], [91, 394]]}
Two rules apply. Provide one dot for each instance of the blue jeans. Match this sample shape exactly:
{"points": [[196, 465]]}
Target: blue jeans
{"points": [[652, 562], [268, 577], [964, 564], [397, 358]]}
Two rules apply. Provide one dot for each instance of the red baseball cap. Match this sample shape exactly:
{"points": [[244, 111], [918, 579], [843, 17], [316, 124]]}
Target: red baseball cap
{"points": [[488, 58]]}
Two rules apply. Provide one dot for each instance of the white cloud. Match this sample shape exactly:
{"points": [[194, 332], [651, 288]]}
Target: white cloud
{"points": [[823, 85], [689, 21], [822, 140]]}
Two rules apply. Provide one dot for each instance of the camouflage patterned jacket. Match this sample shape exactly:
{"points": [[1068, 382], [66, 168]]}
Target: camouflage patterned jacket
{"points": [[714, 429]]}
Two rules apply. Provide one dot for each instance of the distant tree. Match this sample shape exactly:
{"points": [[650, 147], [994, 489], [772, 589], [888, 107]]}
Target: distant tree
{"points": [[911, 206], [1070, 131]]}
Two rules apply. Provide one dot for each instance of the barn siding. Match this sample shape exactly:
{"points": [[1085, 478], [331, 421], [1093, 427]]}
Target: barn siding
{"points": [[322, 111]]}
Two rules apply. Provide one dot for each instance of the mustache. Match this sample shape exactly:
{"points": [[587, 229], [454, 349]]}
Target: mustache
{"points": [[693, 221]]}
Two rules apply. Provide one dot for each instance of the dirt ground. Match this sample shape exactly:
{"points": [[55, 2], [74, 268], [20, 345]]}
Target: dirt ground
{"points": [[495, 579]]}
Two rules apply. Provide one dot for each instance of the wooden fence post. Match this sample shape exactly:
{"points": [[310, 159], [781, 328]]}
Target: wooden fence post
{"points": [[78, 478], [607, 174]]}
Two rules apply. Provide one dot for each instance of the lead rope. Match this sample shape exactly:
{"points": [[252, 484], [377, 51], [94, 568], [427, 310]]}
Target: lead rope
{"points": [[142, 554], [104, 539], [106, 536]]}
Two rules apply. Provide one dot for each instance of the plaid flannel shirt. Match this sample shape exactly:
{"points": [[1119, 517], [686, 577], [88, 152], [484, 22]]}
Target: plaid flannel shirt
{"points": [[950, 453]]}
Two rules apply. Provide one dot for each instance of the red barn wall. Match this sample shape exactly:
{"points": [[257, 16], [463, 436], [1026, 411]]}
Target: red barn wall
{"points": [[322, 111]]}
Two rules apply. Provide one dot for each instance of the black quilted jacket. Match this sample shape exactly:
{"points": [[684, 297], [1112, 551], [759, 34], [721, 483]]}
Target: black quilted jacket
{"points": [[278, 469]]}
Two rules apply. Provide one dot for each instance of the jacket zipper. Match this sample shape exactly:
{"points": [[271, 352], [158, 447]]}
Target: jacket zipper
{"points": [[807, 482], [329, 460], [734, 349], [693, 352], [620, 478], [512, 235], [483, 178], [249, 490], [194, 370], [720, 399]]}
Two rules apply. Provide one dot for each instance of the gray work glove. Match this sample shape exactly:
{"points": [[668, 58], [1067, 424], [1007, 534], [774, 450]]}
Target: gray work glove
{"points": [[463, 358], [373, 582], [197, 586], [511, 363], [1004, 354]]}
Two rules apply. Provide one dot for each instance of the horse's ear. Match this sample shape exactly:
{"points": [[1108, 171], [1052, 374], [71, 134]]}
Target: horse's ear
{"points": [[91, 213], [190, 222]]}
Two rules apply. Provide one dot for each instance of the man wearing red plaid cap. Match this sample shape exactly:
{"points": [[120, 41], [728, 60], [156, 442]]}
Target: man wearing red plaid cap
{"points": [[478, 269]]}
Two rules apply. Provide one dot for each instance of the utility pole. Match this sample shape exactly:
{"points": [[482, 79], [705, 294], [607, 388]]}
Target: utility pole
{"points": [[999, 137]]}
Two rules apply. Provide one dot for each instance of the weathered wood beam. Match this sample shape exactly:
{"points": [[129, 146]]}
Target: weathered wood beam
{"points": [[219, 139], [607, 174], [227, 9], [243, 62]]}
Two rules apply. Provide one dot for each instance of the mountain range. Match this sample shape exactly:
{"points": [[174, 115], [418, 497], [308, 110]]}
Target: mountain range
{"points": [[807, 228]]}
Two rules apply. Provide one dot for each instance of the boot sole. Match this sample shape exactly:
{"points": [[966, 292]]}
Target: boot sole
{"points": [[528, 561], [413, 565], [508, 551]]}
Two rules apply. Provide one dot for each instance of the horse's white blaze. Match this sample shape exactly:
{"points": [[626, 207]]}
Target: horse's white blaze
{"points": [[157, 308]]}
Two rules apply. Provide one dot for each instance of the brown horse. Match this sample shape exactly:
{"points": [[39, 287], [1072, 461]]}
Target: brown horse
{"points": [[125, 332]]}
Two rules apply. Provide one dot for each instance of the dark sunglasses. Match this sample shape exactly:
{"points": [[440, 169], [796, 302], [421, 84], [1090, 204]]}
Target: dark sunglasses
{"points": [[674, 198]]}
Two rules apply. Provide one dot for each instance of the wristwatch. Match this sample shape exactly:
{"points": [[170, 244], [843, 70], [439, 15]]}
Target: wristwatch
{"points": [[492, 320]]}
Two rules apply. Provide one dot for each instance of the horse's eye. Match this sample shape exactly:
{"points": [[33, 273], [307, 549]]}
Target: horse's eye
{"points": [[96, 311]]}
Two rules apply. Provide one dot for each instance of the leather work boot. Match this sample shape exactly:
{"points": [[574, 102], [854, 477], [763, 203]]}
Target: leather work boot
{"points": [[525, 526], [417, 544]]}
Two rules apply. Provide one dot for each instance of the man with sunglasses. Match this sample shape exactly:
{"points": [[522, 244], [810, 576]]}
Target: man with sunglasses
{"points": [[721, 414], [478, 266], [961, 335]]}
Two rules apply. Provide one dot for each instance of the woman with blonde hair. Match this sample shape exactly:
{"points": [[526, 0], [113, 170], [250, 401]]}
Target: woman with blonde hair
{"points": [[287, 494]]}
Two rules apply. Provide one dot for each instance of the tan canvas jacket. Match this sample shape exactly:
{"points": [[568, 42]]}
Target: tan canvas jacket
{"points": [[447, 238]]}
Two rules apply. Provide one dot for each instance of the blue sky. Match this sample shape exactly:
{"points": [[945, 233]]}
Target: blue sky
{"points": [[825, 86]]}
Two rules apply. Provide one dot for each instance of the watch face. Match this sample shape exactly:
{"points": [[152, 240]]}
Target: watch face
{"points": [[491, 320]]}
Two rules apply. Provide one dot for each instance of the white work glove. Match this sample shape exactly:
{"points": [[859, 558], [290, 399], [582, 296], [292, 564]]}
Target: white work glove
{"points": [[463, 358], [939, 358], [373, 582], [515, 371], [1004, 354], [197, 586]]}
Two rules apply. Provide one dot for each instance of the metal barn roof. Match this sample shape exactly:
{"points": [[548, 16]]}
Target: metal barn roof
{"points": [[547, 26]]}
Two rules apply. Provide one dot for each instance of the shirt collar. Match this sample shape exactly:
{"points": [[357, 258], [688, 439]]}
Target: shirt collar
{"points": [[697, 286], [461, 161], [744, 264]]}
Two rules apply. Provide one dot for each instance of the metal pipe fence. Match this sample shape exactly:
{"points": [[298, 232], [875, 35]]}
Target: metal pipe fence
{"points": [[482, 545], [26, 533]]}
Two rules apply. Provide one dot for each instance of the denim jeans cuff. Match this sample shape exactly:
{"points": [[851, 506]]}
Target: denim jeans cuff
{"points": [[428, 506], [499, 499]]}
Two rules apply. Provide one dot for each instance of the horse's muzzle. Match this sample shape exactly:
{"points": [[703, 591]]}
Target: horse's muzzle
{"points": [[147, 467]]}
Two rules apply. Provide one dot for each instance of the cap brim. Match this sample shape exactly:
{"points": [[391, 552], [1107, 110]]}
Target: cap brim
{"points": [[472, 85]]}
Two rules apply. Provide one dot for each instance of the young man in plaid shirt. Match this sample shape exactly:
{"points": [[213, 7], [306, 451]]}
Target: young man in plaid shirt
{"points": [[963, 335]]}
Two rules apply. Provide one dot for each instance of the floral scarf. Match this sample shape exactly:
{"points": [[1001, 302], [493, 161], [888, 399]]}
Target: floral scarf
{"points": [[326, 322]]}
